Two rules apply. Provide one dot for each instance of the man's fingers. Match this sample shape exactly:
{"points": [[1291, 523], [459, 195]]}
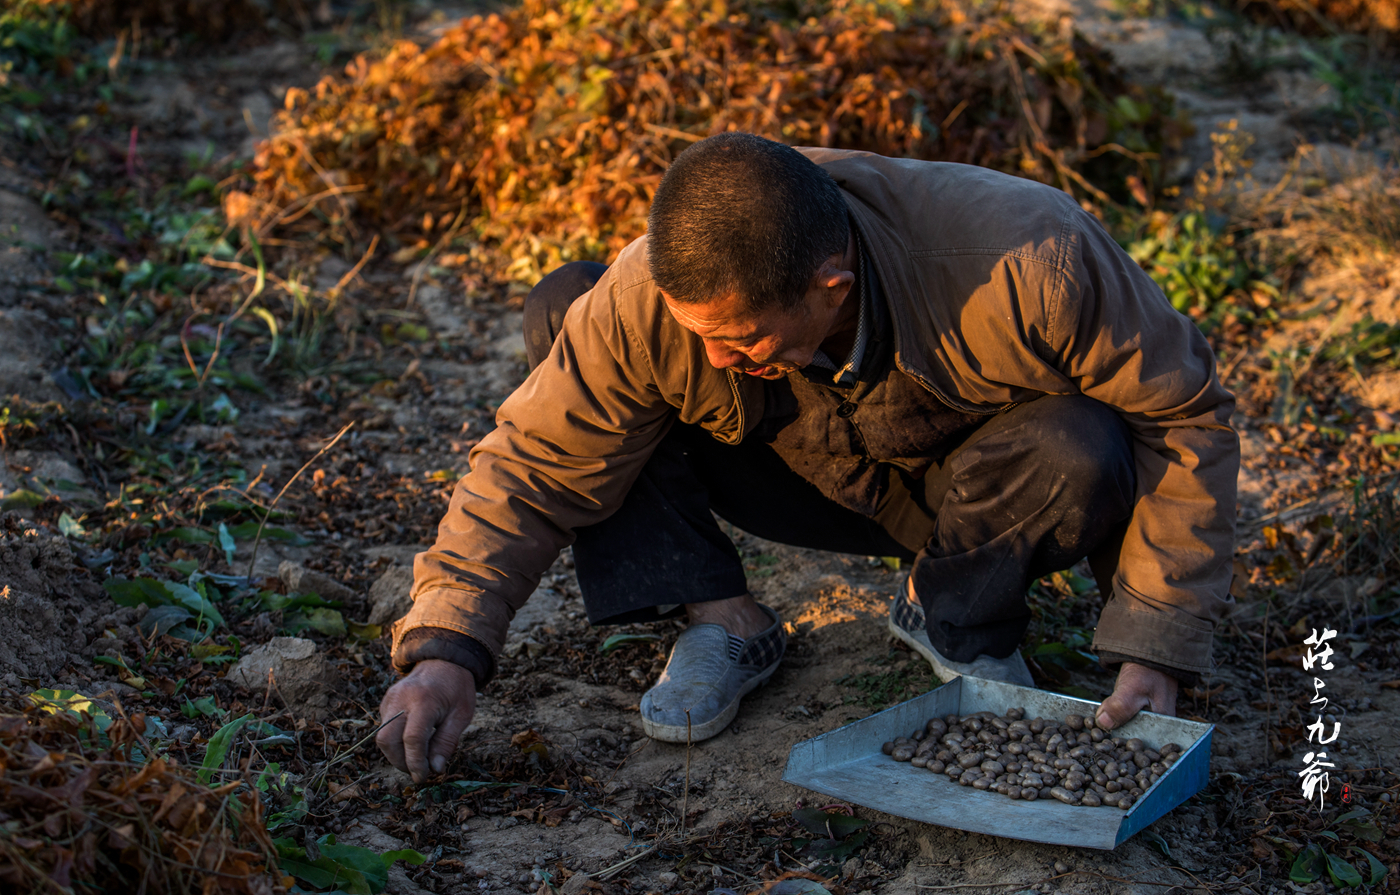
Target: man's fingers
{"points": [[417, 734], [445, 739], [1118, 708], [390, 736], [1138, 687]]}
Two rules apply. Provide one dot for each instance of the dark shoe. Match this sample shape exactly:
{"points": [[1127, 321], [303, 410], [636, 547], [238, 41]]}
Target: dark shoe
{"points": [[908, 624]]}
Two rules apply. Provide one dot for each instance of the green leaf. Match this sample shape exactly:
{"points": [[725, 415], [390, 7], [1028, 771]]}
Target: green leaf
{"points": [[204, 705], [226, 542], [72, 703], [219, 744], [163, 619], [246, 531], [273, 600], [828, 825], [203, 652], [1307, 867], [327, 621], [364, 633], [1378, 870], [1157, 842], [617, 640], [1342, 872], [266, 317], [70, 527], [22, 499]]}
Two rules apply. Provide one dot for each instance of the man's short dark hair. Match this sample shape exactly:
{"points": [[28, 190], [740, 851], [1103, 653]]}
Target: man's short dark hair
{"points": [[738, 213]]}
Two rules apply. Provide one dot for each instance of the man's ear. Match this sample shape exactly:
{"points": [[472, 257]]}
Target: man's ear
{"points": [[836, 283]]}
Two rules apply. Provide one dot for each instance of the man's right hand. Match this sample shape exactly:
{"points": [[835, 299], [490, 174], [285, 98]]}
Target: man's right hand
{"points": [[434, 704]]}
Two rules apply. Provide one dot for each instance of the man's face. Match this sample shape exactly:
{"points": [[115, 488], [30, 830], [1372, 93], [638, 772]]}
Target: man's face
{"points": [[771, 343]]}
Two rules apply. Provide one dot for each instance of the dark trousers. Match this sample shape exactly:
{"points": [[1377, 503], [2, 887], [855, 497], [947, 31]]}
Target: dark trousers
{"points": [[1035, 489]]}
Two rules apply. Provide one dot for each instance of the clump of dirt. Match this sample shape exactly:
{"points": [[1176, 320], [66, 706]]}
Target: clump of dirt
{"points": [[50, 609]]}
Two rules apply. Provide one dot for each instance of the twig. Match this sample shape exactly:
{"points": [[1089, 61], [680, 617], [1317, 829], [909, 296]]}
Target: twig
{"points": [[428, 259], [272, 506], [1103, 876], [1268, 691], [334, 292], [617, 868], [347, 752], [685, 793]]}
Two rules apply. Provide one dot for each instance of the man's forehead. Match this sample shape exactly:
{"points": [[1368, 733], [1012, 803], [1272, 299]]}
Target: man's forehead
{"points": [[723, 317]]}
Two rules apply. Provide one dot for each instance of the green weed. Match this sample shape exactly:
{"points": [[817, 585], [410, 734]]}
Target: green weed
{"points": [[1366, 84], [882, 689], [1198, 265]]}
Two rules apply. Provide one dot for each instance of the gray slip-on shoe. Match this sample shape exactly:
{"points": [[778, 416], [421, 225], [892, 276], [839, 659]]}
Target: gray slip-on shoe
{"points": [[702, 678], [906, 621]]}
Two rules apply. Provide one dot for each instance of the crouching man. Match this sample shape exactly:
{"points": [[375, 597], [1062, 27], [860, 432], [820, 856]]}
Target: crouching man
{"points": [[845, 352]]}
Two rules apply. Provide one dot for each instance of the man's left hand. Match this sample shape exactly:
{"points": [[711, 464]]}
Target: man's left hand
{"points": [[1138, 688]]}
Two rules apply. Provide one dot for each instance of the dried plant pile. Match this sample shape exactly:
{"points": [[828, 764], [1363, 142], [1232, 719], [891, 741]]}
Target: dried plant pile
{"points": [[549, 126], [77, 810]]}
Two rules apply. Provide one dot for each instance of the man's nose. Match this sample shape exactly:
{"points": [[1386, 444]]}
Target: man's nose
{"points": [[721, 356]]}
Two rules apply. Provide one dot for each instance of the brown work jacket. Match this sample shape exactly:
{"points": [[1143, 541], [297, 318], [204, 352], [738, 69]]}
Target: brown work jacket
{"points": [[1001, 290]]}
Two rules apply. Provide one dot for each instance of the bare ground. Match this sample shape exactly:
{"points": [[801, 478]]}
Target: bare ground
{"points": [[599, 790]]}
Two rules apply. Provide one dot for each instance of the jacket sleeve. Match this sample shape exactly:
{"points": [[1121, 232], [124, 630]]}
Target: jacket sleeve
{"points": [[1123, 344], [568, 445]]}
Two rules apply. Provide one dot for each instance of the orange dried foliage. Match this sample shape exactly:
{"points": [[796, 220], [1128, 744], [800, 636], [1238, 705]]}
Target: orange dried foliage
{"points": [[77, 817], [554, 122], [1316, 16]]}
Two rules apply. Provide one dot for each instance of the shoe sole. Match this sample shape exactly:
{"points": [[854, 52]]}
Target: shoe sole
{"points": [[944, 673], [925, 649], [671, 733]]}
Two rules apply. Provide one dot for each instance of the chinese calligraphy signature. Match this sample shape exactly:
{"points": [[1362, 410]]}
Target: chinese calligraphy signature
{"points": [[1315, 778]]}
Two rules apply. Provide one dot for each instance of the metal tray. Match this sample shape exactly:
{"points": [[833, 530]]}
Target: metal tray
{"points": [[847, 764]]}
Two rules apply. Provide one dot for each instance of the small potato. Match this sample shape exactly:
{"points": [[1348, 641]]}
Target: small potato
{"points": [[1113, 786], [1097, 735], [1126, 802], [1029, 793], [888, 747], [1064, 795], [993, 767], [919, 761], [970, 759], [1074, 783], [1000, 723], [1074, 722], [1135, 745], [902, 752], [936, 766], [936, 727], [982, 783], [1100, 778], [1090, 799], [1171, 747], [1045, 792], [1036, 725], [1141, 760]]}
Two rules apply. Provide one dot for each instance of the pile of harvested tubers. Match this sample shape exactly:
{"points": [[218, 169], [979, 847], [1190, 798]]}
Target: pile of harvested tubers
{"points": [[1070, 760]]}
